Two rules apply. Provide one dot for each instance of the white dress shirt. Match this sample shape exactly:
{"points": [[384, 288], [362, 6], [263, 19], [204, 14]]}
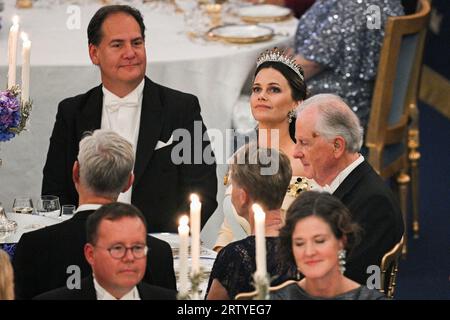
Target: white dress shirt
{"points": [[102, 294], [122, 115], [88, 206], [342, 175]]}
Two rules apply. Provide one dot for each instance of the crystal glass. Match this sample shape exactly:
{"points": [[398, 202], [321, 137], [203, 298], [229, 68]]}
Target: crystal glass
{"points": [[6, 226], [48, 206], [23, 205], [67, 210]]}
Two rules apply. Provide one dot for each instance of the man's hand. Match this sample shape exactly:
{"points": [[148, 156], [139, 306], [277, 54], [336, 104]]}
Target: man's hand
{"points": [[274, 222]]}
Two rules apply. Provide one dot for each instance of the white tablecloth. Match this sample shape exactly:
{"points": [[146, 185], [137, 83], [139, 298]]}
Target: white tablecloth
{"points": [[214, 72], [26, 223]]}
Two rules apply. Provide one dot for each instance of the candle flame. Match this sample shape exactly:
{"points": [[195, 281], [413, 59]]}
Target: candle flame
{"points": [[24, 36], [184, 220], [15, 20], [194, 198]]}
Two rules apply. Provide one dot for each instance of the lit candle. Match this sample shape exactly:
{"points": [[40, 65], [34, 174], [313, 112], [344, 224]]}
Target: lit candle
{"points": [[195, 232], [260, 238], [26, 50], [12, 51], [183, 232]]}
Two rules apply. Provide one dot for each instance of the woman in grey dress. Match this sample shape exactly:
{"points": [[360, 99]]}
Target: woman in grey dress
{"points": [[316, 236]]}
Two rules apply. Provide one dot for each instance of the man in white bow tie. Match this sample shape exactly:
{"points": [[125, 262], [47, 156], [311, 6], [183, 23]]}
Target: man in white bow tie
{"points": [[143, 112], [329, 137]]}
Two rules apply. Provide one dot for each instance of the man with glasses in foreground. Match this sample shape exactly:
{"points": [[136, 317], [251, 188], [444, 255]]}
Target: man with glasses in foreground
{"points": [[116, 250]]}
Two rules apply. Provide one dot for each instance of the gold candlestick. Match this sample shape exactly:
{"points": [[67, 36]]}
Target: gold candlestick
{"points": [[24, 4], [214, 12]]}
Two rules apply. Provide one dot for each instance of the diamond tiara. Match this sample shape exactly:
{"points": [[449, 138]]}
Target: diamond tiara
{"points": [[277, 55]]}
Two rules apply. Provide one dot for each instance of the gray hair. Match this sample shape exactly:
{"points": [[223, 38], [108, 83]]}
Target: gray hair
{"points": [[336, 119], [247, 171], [106, 161]]}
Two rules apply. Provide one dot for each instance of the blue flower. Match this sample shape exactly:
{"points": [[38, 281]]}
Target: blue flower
{"points": [[9, 115]]}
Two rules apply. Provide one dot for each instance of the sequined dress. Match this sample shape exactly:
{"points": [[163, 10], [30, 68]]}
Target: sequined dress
{"points": [[338, 35]]}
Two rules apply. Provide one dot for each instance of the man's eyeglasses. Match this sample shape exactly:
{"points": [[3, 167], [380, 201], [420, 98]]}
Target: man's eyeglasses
{"points": [[118, 251]]}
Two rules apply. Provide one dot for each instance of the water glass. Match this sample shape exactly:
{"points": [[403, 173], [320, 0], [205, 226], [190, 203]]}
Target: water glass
{"points": [[49, 206], [67, 210]]}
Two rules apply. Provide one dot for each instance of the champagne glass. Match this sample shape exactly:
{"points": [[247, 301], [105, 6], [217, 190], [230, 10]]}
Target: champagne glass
{"points": [[23, 205], [49, 206]]}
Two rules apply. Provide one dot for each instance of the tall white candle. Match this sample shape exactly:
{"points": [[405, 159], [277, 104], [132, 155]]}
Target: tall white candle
{"points": [[260, 238], [12, 51], [26, 51], [183, 232], [195, 232]]}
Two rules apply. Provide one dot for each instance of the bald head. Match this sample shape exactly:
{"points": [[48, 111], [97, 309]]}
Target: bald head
{"points": [[333, 118]]}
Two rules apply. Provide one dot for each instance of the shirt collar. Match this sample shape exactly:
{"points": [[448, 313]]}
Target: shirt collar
{"points": [[102, 294], [342, 175], [88, 206]]}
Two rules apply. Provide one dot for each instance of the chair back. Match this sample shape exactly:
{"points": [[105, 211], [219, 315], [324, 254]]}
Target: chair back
{"points": [[395, 89], [389, 269]]}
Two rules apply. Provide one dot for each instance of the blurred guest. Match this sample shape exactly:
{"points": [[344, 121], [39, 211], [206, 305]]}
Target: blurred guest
{"points": [[116, 250], [297, 6], [278, 88], [235, 264], [6, 277], [103, 169], [317, 236], [338, 47], [143, 112], [329, 137]]}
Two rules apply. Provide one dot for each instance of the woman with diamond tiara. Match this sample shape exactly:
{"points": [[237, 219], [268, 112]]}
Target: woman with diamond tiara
{"points": [[278, 88]]}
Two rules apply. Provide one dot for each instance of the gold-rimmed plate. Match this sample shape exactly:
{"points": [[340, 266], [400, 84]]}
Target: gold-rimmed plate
{"points": [[264, 13], [241, 33]]}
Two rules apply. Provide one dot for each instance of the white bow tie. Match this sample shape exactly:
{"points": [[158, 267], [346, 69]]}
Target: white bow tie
{"points": [[114, 104]]}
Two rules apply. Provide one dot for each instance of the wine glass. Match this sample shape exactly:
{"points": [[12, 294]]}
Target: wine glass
{"points": [[49, 206], [23, 205]]}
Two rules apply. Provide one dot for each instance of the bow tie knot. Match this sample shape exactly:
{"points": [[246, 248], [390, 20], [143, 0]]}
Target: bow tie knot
{"points": [[114, 105]]}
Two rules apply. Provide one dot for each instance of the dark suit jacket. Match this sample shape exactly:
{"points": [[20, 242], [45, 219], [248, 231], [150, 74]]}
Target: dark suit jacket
{"points": [[42, 257], [161, 188], [87, 292], [374, 207]]}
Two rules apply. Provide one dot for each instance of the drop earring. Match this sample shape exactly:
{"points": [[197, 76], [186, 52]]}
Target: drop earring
{"points": [[291, 115], [341, 257]]}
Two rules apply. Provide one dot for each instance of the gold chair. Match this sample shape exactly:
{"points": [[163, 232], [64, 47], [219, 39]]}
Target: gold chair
{"points": [[414, 156], [395, 91], [252, 295], [389, 269]]}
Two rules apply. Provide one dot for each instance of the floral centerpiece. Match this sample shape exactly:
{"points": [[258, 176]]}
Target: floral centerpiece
{"points": [[13, 118], [10, 114], [13, 113]]}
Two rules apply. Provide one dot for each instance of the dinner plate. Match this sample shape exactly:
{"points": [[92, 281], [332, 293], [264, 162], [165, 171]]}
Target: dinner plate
{"points": [[241, 33], [264, 13]]}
